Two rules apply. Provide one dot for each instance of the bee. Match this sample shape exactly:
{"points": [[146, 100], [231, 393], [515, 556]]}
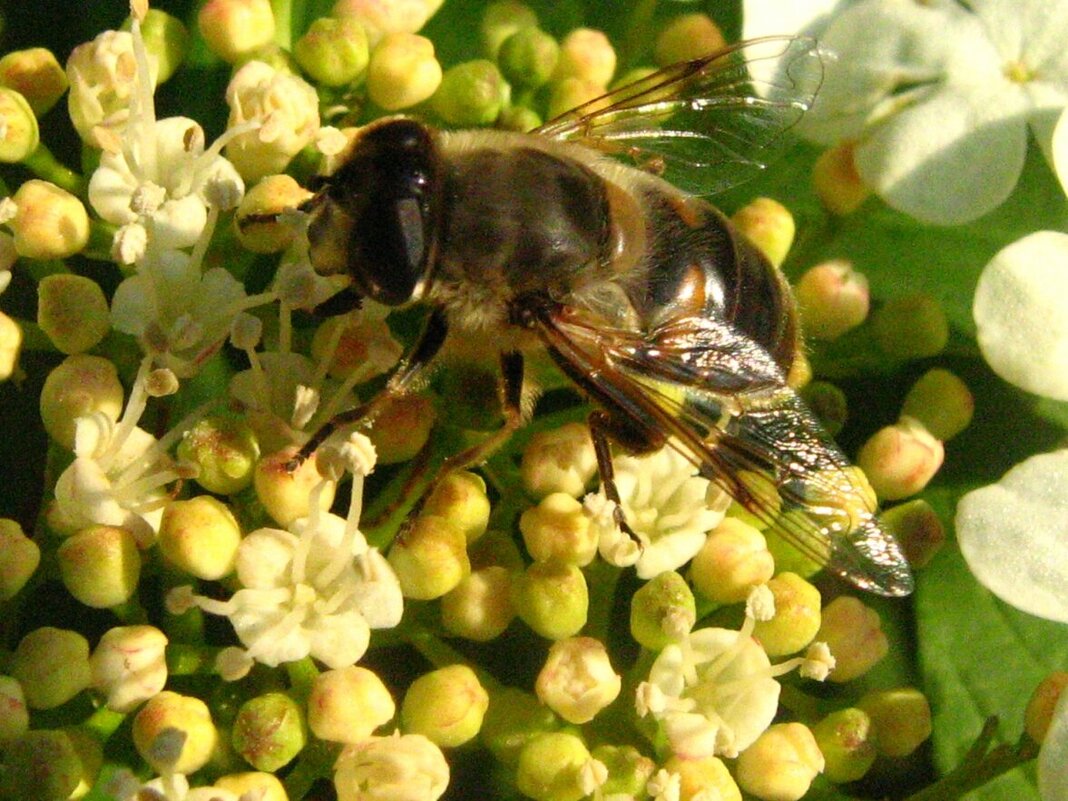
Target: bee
{"points": [[567, 239]]}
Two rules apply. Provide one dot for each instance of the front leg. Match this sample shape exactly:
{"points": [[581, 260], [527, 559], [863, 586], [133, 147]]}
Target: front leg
{"points": [[634, 439]]}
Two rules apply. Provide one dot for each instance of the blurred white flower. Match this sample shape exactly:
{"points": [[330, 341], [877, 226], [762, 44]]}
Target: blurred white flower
{"points": [[397, 768]]}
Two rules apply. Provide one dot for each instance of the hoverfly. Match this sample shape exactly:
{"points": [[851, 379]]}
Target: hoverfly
{"points": [[645, 296]]}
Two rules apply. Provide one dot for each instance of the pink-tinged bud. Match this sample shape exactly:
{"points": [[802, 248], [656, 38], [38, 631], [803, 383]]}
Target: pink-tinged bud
{"points": [[577, 680], [254, 784], [128, 665], [769, 225], [1039, 712], [333, 51], [100, 565], [558, 528], [846, 739], [663, 611], [837, 182], [703, 777], [19, 557], [796, 619], [80, 385], [781, 764], [19, 135], [380, 18], [165, 715], [686, 37], [854, 634], [50, 223], [460, 497], [36, 75], [430, 557], [225, 451], [402, 428], [901, 719], [347, 705], [942, 402], [285, 494], [200, 537], [446, 706], [901, 459], [52, 665], [403, 71], [269, 197], [269, 731], [917, 528], [72, 311], [832, 298], [480, 607], [734, 559], [233, 29], [552, 599], [15, 717], [559, 460], [550, 767], [588, 55], [911, 327]]}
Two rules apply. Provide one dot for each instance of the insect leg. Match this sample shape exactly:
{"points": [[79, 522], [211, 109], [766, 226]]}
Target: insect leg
{"points": [[603, 428]]}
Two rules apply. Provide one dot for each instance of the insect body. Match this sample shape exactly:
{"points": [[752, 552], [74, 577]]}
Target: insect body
{"points": [[644, 295]]}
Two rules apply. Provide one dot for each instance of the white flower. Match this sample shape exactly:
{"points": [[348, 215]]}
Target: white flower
{"points": [[1021, 313], [169, 787], [1053, 756], [396, 768], [577, 680], [1013, 535]]}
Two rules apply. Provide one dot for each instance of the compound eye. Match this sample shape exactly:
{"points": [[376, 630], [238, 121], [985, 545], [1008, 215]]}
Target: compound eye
{"points": [[390, 245]]}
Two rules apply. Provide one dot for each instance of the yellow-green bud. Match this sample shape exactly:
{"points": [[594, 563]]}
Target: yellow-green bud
{"points": [[403, 71], [129, 665], [402, 428], [703, 777], [631, 76], [781, 764], [942, 402], [586, 54], [837, 182], [254, 784], [287, 495], [169, 714], [797, 616], [501, 20], [225, 451], [496, 548], [430, 558], [513, 719], [78, 386], [577, 680], [567, 93], [52, 665], [846, 740], [828, 403], [1040, 708], [269, 196], [733, 560], [72, 311], [854, 634], [552, 599], [480, 607], [43, 765], [470, 94], [166, 38], [446, 706], [901, 719], [50, 222], [558, 528], [379, 18], [559, 460], [90, 756], [519, 118], [917, 527], [36, 75], [10, 346], [901, 459], [528, 57], [628, 770], [18, 127], [550, 767], [334, 50], [832, 298], [460, 497], [200, 536], [19, 557], [100, 565], [234, 29], [763, 487], [911, 327], [768, 224], [15, 721], [787, 557], [269, 731], [346, 705], [662, 611], [686, 37]]}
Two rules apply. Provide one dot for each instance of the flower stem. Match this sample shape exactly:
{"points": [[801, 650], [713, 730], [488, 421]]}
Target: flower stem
{"points": [[283, 22], [44, 165]]}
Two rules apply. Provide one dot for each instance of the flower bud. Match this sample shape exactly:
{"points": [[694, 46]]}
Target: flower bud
{"points": [[832, 298], [942, 402], [797, 616], [15, 721], [43, 765], [586, 54], [19, 136], [128, 665], [446, 706], [287, 495], [269, 731], [734, 559], [528, 57], [911, 327], [703, 777], [686, 37], [513, 719], [234, 29], [361, 343], [225, 451], [103, 77], [269, 197], [550, 766], [430, 557], [402, 428], [901, 459], [917, 528], [559, 460], [662, 611], [395, 768], [552, 598], [1041, 706], [52, 665], [166, 40], [36, 75], [828, 403], [460, 497], [837, 182], [901, 719], [80, 385], [379, 19], [495, 548], [503, 19], [480, 607], [846, 740], [10, 346], [403, 71], [628, 770], [333, 51], [165, 715], [50, 222], [200, 537], [72, 311], [558, 528], [577, 680], [854, 634], [519, 118], [767, 224], [346, 705], [100, 565], [253, 784], [781, 764], [787, 557], [470, 94], [571, 92], [19, 557]]}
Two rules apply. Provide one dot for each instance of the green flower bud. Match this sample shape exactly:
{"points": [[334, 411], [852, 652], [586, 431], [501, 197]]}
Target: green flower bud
{"points": [[786, 556], [254, 784], [837, 181], [269, 731], [78, 386], [446, 706], [430, 558], [797, 616], [586, 54], [559, 460], [166, 38], [287, 495], [901, 459], [480, 607], [628, 769], [558, 528], [495, 548], [901, 719], [911, 327], [334, 50], [200, 536], [703, 776], [50, 223], [1040, 708], [519, 118], [19, 557], [942, 402], [828, 403], [379, 19], [52, 665], [18, 124], [781, 764], [43, 765], [552, 599], [403, 71], [225, 451], [846, 740], [402, 428], [768, 224], [832, 298], [569, 92], [100, 565], [174, 733], [733, 560], [686, 37], [268, 197], [346, 705], [90, 756], [72, 311], [854, 634], [470, 94], [15, 721], [577, 680], [761, 486], [234, 29], [36, 75], [917, 527], [501, 20], [10, 346], [513, 719], [662, 611], [460, 497], [550, 767], [528, 57]]}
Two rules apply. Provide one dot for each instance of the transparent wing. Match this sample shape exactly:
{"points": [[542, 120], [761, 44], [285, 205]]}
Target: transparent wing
{"points": [[723, 403], [706, 123]]}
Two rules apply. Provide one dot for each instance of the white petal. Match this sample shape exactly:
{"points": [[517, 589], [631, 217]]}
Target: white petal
{"points": [[1053, 758], [1021, 313], [178, 223], [1029, 31], [110, 189], [339, 640], [1014, 535], [132, 307], [1059, 150]]}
